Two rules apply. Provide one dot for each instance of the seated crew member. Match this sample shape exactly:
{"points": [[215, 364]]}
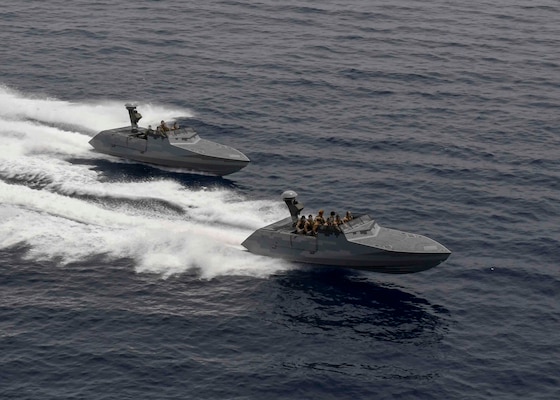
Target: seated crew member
{"points": [[337, 220], [162, 130], [347, 217], [309, 225], [175, 126], [319, 221], [320, 217], [330, 220], [300, 225], [163, 126], [336, 224]]}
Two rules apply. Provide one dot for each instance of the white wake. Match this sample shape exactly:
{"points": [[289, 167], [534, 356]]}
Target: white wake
{"points": [[63, 212]]}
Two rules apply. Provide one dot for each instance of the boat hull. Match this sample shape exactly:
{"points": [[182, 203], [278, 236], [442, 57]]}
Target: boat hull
{"points": [[342, 249], [176, 151]]}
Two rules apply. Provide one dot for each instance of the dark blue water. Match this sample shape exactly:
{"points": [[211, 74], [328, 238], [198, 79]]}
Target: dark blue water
{"points": [[120, 280]]}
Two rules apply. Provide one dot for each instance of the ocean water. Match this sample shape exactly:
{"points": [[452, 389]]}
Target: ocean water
{"points": [[123, 281]]}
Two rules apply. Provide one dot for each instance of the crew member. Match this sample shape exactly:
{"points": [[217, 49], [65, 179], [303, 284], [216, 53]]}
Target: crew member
{"points": [[164, 127], [319, 221], [300, 225], [309, 225], [347, 217]]}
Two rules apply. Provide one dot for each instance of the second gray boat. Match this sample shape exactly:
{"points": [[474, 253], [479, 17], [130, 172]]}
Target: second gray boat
{"points": [[177, 148], [360, 243]]}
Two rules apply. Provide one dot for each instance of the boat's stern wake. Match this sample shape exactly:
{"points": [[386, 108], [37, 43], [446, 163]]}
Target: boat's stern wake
{"points": [[63, 211]]}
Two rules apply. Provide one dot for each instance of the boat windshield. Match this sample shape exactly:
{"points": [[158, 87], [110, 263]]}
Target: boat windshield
{"points": [[183, 135], [362, 221]]}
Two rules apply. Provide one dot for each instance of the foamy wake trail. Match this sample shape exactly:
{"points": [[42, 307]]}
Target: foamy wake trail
{"points": [[91, 117], [64, 213], [69, 230]]}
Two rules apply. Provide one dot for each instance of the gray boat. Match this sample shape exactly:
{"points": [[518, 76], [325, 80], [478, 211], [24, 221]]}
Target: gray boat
{"points": [[177, 148], [360, 243]]}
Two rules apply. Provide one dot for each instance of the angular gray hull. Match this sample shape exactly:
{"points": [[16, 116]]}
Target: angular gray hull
{"points": [[182, 149], [363, 244]]}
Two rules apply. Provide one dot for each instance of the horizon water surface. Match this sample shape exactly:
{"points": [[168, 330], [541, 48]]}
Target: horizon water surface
{"points": [[122, 280]]}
